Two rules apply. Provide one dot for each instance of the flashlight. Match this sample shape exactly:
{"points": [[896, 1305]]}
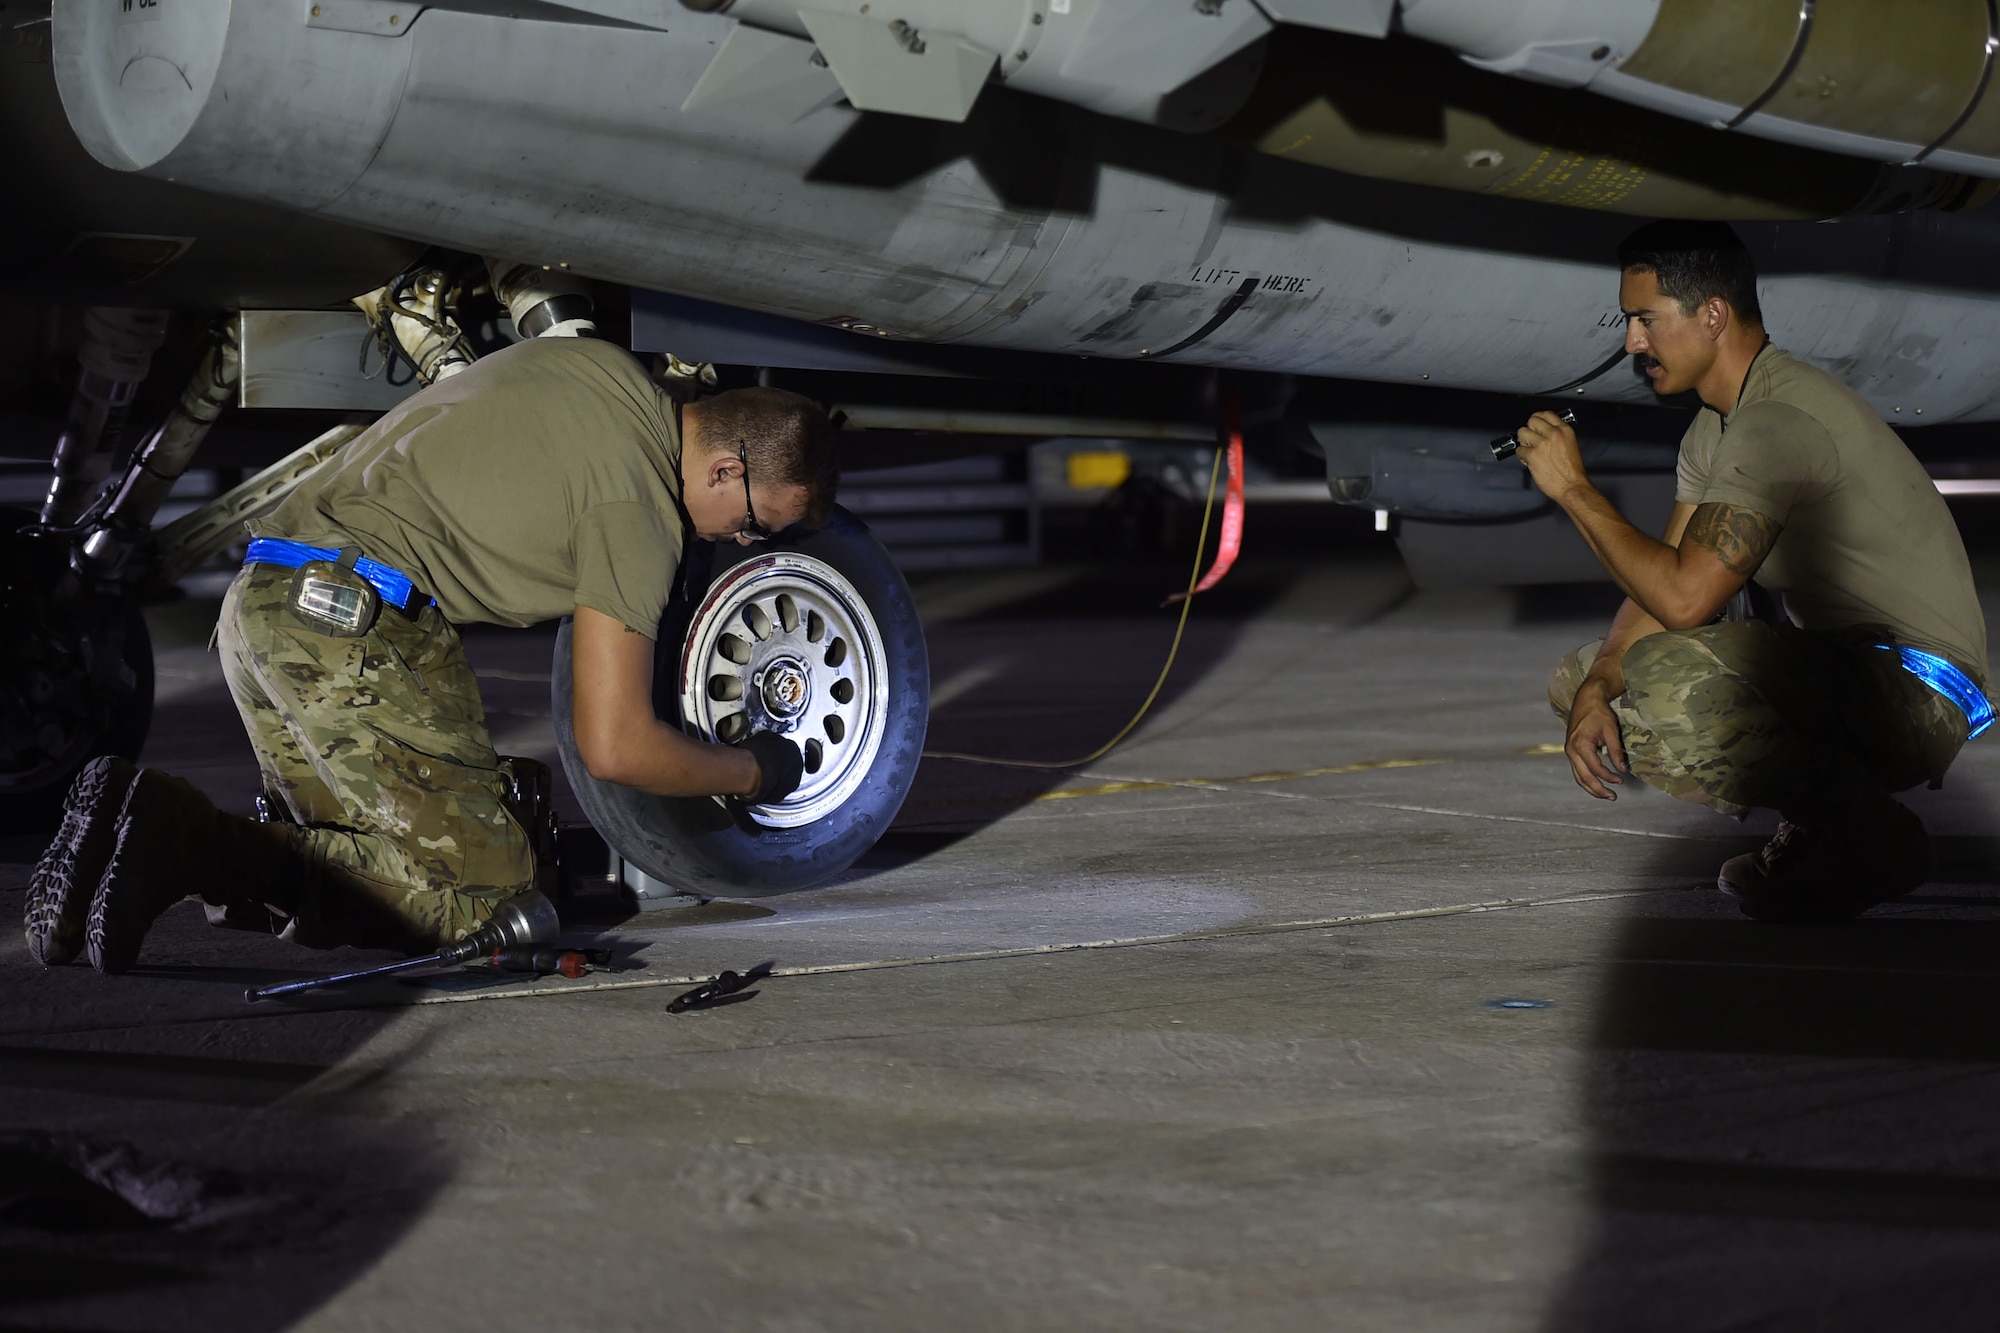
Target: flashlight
{"points": [[1504, 447]]}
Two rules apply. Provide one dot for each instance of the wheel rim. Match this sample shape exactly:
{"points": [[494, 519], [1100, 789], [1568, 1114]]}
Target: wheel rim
{"points": [[784, 643]]}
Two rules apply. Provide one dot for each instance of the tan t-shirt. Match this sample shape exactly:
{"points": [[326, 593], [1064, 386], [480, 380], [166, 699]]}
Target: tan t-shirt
{"points": [[541, 478], [1867, 539]]}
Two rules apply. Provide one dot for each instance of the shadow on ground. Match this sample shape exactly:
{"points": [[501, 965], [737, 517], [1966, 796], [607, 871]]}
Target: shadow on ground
{"points": [[171, 1158], [1793, 1125]]}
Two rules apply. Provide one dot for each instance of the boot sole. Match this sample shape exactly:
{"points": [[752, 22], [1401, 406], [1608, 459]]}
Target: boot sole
{"points": [[127, 901], [1789, 907], [1797, 914], [65, 879], [1792, 908]]}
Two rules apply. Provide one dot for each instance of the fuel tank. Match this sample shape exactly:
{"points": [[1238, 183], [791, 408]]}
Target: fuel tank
{"points": [[1032, 225], [80, 234], [1404, 110], [1889, 82]]}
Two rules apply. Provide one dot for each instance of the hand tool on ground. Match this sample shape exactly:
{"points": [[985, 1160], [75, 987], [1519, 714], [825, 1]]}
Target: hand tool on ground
{"points": [[525, 919], [729, 983], [543, 960]]}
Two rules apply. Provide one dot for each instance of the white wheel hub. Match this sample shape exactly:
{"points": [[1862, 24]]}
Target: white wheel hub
{"points": [[784, 643]]}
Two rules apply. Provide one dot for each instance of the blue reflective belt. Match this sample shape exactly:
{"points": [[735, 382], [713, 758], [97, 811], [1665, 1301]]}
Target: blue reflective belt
{"points": [[396, 587], [1949, 681]]}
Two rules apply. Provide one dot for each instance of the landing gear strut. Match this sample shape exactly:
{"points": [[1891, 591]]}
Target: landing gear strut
{"points": [[76, 674], [76, 665]]}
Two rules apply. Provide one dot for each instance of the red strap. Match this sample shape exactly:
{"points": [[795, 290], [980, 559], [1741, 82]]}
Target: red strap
{"points": [[1231, 542]]}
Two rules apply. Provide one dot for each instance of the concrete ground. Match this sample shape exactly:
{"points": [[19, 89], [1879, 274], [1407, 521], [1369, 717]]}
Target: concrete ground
{"points": [[1382, 1024]]}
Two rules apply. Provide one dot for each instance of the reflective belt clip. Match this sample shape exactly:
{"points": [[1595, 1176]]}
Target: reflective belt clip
{"points": [[333, 598], [394, 587], [1949, 681]]}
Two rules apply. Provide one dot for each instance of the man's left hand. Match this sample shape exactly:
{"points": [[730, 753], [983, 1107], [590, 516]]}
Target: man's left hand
{"points": [[1550, 451]]}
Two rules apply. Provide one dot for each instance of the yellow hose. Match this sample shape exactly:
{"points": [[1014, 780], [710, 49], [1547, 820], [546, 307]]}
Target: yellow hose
{"points": [[1187, 603]]}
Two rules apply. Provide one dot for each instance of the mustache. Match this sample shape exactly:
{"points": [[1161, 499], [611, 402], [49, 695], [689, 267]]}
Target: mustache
{"points": [[1643, 363]]}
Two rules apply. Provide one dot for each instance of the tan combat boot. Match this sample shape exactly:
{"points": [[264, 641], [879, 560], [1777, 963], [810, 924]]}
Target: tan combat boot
{"points": [[171, 843], [1832, 861]]}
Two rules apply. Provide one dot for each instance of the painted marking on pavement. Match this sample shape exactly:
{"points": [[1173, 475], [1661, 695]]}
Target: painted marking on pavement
{"points": [[1213, 784], [1115, 811]]}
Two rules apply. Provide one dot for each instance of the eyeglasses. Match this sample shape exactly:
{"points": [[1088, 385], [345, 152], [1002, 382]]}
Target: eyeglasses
{"points": [[752, 530]]}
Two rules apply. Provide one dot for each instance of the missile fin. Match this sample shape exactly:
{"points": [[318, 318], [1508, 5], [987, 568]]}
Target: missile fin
{"points": [[761, 77], [896, 68]]}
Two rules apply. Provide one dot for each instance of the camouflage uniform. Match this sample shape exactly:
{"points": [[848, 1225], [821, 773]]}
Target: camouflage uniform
{"points": [[378, 746], [1742, 714]]}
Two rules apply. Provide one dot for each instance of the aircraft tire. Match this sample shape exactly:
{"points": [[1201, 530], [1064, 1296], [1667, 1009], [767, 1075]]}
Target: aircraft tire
{"points": [[834, 658]]}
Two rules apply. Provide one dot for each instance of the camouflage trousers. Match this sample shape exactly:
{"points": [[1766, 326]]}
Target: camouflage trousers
{"points": [[1743, 714], [378, 747]]}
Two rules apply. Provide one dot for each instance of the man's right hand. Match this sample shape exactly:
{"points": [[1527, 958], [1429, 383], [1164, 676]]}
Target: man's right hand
{"points": [[780, 767], [1594, 727]]}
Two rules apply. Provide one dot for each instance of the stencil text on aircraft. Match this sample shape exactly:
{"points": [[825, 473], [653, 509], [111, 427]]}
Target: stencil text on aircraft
{"points": [[1277, 284]]}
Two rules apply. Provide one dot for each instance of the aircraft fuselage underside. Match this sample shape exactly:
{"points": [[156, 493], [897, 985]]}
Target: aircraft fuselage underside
{"points": [[1031, 226]]}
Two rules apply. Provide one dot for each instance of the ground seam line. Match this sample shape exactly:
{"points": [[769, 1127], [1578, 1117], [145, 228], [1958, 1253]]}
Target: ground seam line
{"points": [[1043, 950], [1545, 823]]}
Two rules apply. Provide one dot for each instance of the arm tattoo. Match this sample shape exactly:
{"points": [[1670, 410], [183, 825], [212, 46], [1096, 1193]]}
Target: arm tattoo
{"points": [[1740, 537]]}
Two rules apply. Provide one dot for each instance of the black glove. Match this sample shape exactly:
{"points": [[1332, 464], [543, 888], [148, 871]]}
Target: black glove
{"points": [[780, 766]]}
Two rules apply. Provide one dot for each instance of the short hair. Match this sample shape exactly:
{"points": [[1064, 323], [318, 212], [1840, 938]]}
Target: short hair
{"points": [[787, 439], [1694, 261]]}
